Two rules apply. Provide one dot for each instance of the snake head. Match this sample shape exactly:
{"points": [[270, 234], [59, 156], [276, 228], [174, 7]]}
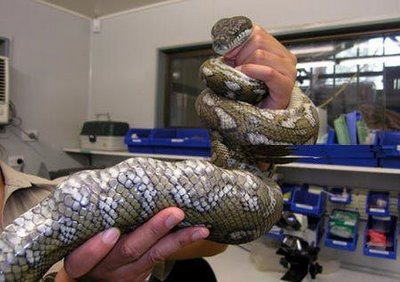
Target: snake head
{"points": [[229, 33]]}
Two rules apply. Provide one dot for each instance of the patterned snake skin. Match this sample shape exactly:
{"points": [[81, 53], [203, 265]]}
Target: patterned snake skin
{"points": [[230, 196]]}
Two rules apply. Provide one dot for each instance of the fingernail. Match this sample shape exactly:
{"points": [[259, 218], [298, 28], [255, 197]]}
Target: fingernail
{"points": [[200, 234], [110, 236], [173, 220]]}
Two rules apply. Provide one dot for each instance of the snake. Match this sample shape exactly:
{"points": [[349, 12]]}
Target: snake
{"points": [[228, 194]]}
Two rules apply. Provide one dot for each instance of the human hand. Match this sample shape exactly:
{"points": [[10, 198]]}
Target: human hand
{"points": [[131, 257], [265, 58]]}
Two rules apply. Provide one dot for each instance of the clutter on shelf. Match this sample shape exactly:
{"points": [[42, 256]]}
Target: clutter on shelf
{"points": [[305, 210]]}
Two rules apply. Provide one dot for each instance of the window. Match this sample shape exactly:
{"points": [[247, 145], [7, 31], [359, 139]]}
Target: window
{"points": [[342, 70]]}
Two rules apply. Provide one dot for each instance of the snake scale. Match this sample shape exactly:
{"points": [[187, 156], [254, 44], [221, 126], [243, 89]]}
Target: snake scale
{"points": [[229, 195]]}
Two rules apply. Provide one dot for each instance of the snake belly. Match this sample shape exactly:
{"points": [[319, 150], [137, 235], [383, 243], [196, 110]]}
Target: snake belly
{"points": [[229, 195]]}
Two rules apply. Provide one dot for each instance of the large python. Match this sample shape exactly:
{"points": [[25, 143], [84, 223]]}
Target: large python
{"points": [[229, 195]]}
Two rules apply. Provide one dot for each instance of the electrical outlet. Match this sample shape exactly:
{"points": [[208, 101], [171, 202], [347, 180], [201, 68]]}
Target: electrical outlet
{"points": [[30, 135], [16, 161]]}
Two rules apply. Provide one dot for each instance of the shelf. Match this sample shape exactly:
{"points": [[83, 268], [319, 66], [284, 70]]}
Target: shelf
{"points": [[131, 155], [324, 175], [375, 178]]}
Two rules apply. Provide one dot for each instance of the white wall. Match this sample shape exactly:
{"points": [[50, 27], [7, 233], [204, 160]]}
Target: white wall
{"points": [[49, 80], [125, 52]]}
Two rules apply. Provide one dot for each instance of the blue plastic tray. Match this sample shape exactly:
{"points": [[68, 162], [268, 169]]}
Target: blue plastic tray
{"points": [[185, 141], [357, 155], [339, 243], [389, 156], [169, 141], [139, 140], [389, 253]]}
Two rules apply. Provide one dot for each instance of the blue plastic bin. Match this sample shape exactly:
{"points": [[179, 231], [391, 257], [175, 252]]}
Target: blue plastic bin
{"points": [[139, 140], [398, 204], [389, 156], [378, 203], [182, 141], [308, 203], [389, 138], [336, 195], [316, 224], [390, 227], [357, 155], [335, 242], [276, 233], [287, 191]]}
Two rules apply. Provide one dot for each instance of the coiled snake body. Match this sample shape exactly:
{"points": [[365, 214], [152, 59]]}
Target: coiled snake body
{"points": [[230, 195]]}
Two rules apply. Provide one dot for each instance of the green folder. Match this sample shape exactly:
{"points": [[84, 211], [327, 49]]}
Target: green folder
{"points": [[362, 132], [342, 131]]}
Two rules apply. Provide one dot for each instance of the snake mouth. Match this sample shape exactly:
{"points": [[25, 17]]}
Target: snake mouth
{"points": [[222, 46]]}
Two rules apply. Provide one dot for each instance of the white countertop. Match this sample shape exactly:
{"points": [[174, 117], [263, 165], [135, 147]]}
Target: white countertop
{"points": [[235, 265]]}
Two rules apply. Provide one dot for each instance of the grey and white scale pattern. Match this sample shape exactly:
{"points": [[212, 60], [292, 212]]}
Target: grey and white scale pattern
{"points": [[236, 206], [229, 195]]}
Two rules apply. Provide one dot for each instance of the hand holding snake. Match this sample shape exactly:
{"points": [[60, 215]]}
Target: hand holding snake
{"points": [[229, 196], [264, 58]]}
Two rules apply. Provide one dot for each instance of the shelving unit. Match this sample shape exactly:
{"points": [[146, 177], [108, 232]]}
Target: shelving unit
{"points": [[375, 178], [325, 175], [90, 153]]}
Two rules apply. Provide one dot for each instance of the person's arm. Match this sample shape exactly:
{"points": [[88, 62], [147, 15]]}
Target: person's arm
{"points": [[109, 256]]}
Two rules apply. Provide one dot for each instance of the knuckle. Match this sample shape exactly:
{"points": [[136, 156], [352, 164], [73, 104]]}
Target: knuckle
{"points": [[156, 256], [182, 241], [258, 40], [271, 74], [130, 251], [260, 56], [155, 231]]}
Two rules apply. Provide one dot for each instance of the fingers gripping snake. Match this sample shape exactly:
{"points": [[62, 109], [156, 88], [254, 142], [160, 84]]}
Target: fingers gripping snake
{"points": [[229, 195]]}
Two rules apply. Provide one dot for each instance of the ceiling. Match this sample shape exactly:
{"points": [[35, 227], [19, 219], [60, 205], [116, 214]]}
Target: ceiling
{"points": [[101, 8]]}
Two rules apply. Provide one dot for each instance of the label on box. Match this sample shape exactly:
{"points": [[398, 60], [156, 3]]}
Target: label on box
{"points": [[136, 140], [372, 251], [376, 210], [340, 243], [177, 140], [338, 199], [302, 206]]}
